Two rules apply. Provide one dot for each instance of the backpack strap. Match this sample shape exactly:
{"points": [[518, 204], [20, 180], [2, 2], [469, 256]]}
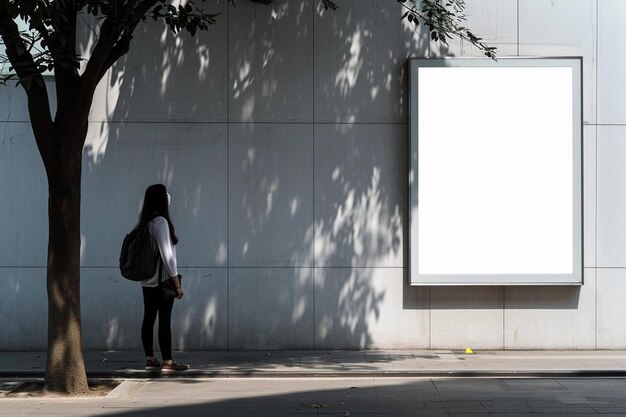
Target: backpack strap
{"points": [[160, 269]]}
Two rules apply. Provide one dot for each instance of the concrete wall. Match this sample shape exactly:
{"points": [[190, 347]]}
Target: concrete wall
{"points": [[282, 136]]}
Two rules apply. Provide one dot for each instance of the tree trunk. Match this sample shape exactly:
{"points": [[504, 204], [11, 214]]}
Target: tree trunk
{"points": [[65, 367]]}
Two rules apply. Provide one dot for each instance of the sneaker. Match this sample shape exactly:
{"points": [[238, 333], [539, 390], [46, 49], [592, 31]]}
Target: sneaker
{"points": [[175, 366], [153, 365]]}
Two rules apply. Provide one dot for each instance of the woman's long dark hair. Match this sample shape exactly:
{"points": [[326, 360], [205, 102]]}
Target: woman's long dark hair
{"points": [[155, 204]]}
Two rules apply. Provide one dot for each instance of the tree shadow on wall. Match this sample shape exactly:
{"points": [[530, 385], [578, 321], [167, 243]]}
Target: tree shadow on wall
{"points": [[291, 231]]}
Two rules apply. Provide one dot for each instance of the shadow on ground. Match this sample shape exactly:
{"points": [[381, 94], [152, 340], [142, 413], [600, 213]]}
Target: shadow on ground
{"points": [[377, 397]]}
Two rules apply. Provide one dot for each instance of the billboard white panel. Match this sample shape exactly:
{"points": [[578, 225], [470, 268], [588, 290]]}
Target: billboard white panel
{"points": [[495, 180]]}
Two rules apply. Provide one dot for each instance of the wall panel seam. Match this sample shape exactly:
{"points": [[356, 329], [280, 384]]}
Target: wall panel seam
{"points": [[228, 176], [595, 255], [227, 122], [614, 268], [517, 27], [503, 317], [430, 318], [224, 267], [313, 164], [324, 123]]}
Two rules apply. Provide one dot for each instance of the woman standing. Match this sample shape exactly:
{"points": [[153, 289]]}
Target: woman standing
{"points": [[155, 213]]}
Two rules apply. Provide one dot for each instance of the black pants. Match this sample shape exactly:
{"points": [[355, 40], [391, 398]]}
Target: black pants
{"points": [[153, 303]]}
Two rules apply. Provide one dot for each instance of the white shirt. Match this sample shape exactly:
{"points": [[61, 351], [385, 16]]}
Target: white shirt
{"points": [[160, 231]]}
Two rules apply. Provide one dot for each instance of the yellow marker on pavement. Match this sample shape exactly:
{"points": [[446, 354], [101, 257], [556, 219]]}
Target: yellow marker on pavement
{"points": [[469, 351]]}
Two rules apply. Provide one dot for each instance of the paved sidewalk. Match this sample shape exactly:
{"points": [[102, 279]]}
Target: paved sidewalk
{"points": [[348, 397], [339, 363]]}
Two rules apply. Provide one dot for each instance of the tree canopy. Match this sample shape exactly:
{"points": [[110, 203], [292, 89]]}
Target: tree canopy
{"points": [[47, 39]]}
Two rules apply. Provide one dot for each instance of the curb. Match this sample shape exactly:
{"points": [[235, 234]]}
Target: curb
{"points": [[142, 374]]}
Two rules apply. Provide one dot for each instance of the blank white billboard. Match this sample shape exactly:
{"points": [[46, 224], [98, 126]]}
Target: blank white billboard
{"points": [[495, 180]]}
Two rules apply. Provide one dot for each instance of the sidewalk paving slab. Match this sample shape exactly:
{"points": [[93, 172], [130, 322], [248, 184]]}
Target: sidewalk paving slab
{"points": [[338, 363], [276, 397]]}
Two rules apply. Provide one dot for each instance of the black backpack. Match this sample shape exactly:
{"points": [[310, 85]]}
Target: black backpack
{"points": [[139, 257]]}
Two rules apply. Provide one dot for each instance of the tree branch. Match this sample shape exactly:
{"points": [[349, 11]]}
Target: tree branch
{"points": [[30, 78], [120, 49], [128, 9], [56, 25], [114, 42], [64, 52], [131, 18], [109, 34]]}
